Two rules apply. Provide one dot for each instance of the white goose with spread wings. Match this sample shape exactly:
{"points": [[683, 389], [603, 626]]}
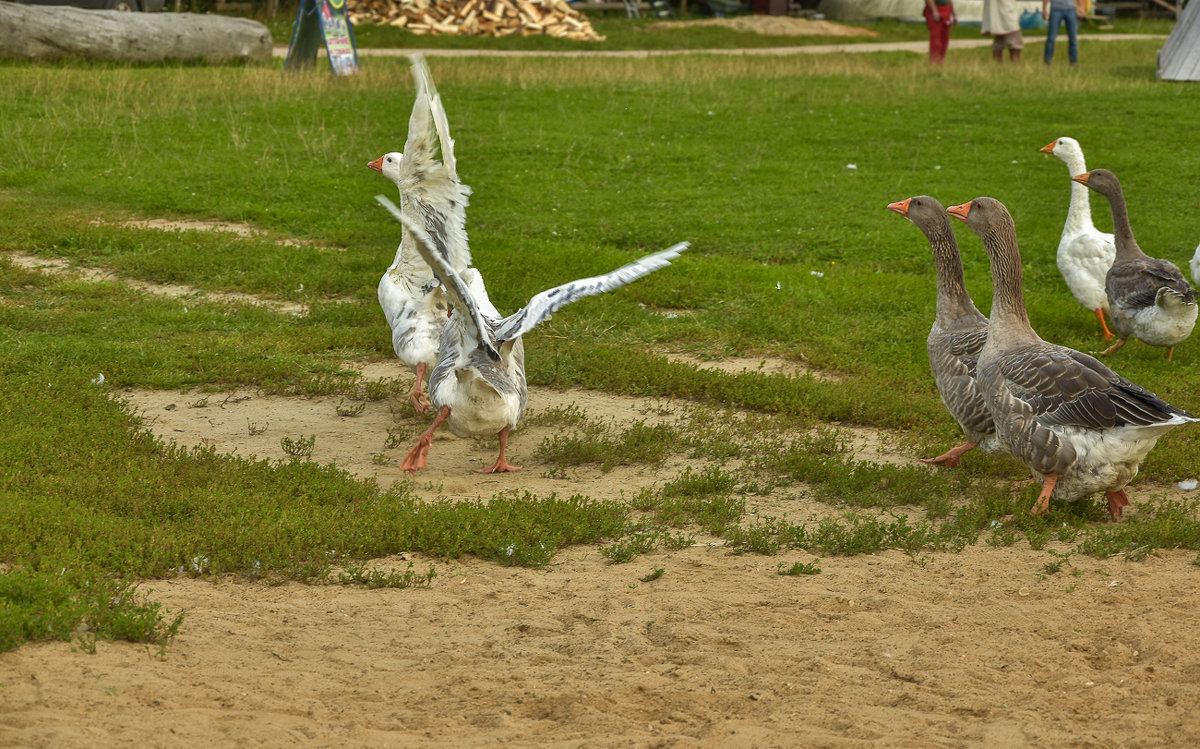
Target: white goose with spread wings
{"points": [[1084, 253], [478, 385], [431, 195], [1077, 424]]}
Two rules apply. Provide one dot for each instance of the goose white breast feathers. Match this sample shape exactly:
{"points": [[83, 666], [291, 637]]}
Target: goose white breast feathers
{"points": [[478, 385], [958, 333], [432, 195], [1148, 297], [1079, 426], [1084, 253]]}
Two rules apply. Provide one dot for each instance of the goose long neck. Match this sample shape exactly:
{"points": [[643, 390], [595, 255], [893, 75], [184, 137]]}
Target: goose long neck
{"points": [[1127, 246], [1079, 212], [952, 296], [1009, 317]]}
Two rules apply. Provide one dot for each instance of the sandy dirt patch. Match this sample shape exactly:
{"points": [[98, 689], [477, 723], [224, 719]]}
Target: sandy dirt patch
{"points": [[978, 649], [772, 26]]}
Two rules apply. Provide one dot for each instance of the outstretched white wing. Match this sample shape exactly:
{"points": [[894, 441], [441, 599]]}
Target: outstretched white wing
{"points": [[548, 302], [453, 285]]}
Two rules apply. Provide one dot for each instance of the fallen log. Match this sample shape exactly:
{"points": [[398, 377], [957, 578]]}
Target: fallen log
{"points": [[45, 32]]}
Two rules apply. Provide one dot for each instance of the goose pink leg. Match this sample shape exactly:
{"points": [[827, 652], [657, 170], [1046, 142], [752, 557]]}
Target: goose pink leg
{"points": [[417, 456], [416, 397], [1043, 500], [501, 465], [1116, 346], [950, 457], [1116, 501]]}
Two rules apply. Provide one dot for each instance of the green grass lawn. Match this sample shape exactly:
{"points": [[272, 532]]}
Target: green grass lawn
{"points": [[778, 171]]}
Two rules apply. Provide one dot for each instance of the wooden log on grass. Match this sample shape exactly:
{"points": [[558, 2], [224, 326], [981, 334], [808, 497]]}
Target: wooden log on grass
{"points": [[45, 32]]}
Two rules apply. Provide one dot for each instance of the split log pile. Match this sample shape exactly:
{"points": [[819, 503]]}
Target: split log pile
{"points": [[477, 17]]}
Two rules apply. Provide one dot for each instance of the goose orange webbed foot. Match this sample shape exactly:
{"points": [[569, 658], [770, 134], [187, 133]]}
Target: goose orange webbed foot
{"points": [[501, 465], [1042, 506], [416, 396], [1116, 501], [951, 457], [419, 402], [417, 456]]}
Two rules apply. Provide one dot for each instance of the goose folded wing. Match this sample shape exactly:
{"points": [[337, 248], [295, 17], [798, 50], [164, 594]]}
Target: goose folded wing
{"points": [[452, 284], [1133, 286], [1069, 388], [546, 303], [1059, 388], [1169, 275]]}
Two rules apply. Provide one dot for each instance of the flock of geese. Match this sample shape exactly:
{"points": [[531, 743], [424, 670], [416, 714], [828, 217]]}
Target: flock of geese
{"points": [[436, 304], [1079, 427]]}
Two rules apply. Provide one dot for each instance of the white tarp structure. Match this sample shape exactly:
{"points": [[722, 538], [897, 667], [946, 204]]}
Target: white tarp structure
{"points": [[968, 11], [1179, 58]]}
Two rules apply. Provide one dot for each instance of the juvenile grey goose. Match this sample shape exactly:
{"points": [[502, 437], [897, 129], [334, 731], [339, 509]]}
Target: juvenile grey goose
{"points": [[1079, 426], [1149, 297], [958, 333], [478, 385]]}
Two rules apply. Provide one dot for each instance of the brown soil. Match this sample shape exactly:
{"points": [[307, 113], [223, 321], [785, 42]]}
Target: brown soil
{"points": [[773, 26], [984, 648]]}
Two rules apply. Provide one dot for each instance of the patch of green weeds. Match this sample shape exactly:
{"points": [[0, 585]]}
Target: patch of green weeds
{"points": [[358, 574], [798, 568], [639, 443], [653, 575], [52, 605], [300, 447]]}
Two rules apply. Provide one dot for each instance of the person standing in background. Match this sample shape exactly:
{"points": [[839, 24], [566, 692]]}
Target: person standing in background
{"points": [[939, 17], [1057, 12], [1002, 21]]}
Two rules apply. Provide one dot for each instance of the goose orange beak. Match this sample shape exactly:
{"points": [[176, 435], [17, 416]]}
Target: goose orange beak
{"points": [[1049, 148], [959, 211], [1081, 178], [900, 206], [377, 164]]}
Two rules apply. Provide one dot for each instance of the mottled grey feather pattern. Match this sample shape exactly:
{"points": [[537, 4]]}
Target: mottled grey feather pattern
{"points": [[453, 285], [1135, 283], [953, 358], [1064, 387]]}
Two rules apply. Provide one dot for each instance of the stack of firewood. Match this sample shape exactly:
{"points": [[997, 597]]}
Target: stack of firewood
{"points": [[477, 17]]}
